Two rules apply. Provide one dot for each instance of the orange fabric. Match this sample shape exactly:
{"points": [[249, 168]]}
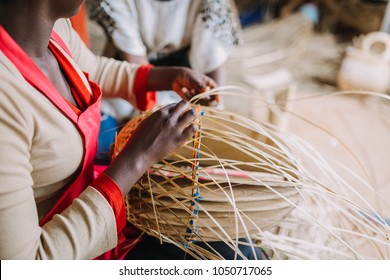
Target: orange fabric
{"points": [[80, 24], [145, 99], [110, 190]]}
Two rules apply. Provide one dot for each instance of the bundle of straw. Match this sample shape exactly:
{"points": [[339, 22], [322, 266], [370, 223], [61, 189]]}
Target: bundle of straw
{"points": [[268, 45], [278, 55], [247, 178], [343, 213]]}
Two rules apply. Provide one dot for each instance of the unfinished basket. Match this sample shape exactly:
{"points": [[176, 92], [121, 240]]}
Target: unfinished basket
{"points": [[230, 181]]}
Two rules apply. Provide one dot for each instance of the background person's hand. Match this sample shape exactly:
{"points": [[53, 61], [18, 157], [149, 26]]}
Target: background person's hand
{"points": [[154, 139], [184, 81]]}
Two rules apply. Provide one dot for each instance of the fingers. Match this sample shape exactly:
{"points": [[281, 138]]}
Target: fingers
{"points": [[189, 131], [206, 84], [214, 100], [211, 100], [169, 107], [183, 117], [179, 113], [210, 83], [182, 91], [193, 83], [186, 93], [179, 109], [187, 118]]}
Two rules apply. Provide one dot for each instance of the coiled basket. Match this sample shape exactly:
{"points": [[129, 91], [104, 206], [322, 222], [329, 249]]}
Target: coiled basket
{"points": [[232, 180]]}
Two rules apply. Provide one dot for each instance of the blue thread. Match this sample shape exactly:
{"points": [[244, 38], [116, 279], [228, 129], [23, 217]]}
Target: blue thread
{"points": [[196, 193]]}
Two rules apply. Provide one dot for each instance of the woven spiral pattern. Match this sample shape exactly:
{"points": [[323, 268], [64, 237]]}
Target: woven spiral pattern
{"points": [[244, 183]]}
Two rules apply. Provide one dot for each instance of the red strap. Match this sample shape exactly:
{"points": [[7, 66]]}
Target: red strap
{"points": [[86, 123], [79, 90], [60, 42], [32, 73]]}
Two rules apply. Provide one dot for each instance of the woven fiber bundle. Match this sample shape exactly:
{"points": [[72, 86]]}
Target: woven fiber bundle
{"points": [[232, 180]]}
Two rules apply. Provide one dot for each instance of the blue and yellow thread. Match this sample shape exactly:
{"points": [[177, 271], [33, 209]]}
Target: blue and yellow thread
{"points": [[194, 208]]}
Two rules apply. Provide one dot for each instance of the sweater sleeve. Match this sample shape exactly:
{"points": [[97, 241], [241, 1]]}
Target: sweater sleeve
{"points": [[85, 230], [110, 190], [116, 78], [206, 53], [126, 33]]}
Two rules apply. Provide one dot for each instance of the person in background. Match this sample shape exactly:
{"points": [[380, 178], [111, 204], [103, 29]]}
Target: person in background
{"points": [[52, 206], [193, 33]]}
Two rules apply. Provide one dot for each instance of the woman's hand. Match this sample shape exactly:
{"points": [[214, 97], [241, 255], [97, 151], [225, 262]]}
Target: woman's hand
{"points": [[154, 139], [186, 82]]}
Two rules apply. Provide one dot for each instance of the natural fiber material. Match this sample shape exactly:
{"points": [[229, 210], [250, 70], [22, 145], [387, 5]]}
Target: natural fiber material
{"points": [[345, 149], [277, 56], [264, 183], [245, 182]]}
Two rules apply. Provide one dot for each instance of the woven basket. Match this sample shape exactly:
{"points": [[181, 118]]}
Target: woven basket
{"points": [[243, 184]]}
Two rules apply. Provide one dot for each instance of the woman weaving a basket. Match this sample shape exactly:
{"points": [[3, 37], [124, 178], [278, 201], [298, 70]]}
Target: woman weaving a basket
{"points": [[51, 206]]}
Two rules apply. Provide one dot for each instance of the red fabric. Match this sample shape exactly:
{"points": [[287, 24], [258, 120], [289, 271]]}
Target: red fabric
{"points": [[145, 99], [33, 74], [110, 190], [98, 169], [87, 123], [79, 91], [57, 38]]}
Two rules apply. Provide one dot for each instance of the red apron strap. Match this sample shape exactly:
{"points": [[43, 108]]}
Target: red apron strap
{"points": [[32, 73], [60, 42], [88, 123]]}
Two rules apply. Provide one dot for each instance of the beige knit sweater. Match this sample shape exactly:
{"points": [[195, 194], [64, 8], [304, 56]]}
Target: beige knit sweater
{"points": [[40, 150]]}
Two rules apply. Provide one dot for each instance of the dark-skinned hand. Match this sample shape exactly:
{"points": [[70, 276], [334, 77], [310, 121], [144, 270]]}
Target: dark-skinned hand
{"points": [[184, 81], [154, 139]]}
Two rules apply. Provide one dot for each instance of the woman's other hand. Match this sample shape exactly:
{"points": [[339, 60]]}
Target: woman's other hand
{"points": [[154, 139], [186, 82]]}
